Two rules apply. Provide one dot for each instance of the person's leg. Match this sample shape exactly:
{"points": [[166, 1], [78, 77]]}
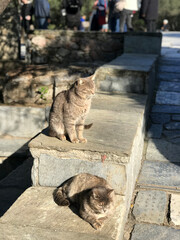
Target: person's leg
{"points": [[129, 20], [153, 27], [122, 20], [148, 25], [42, 23], [112, 24]]}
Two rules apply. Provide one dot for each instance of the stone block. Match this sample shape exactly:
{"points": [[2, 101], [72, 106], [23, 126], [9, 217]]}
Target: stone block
{"points": [[176, 118], [172, 126], [155, 131], [160, 118], [169, 86], [149, 44], [13, 146], [39, 217], [150, 231], [168, 98], [166, 109], [169, 76], [162, 150], [129, 73], [150, 207], [161, 174], [175, 209], [21, 121], [54, 171]]}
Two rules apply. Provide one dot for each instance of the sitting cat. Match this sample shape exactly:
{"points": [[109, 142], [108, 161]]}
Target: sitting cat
{"points": [[92, 195], [69, 110]]}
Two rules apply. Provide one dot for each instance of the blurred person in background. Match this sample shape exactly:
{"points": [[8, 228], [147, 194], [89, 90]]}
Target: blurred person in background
{"points": [[42, 13], [127, 13], [149, 12], [165, 26], [26, 14], [72, 13]]}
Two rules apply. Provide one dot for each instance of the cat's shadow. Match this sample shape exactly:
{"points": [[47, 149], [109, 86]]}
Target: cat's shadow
{"points": [[46, 133]]}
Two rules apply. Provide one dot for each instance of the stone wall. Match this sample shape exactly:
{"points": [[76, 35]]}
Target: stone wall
{"points": [[67, 46], [9, 33]]}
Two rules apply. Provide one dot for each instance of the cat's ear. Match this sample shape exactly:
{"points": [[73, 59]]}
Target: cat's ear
{"points": [[80, 81], [110, 192], [95, 194]]}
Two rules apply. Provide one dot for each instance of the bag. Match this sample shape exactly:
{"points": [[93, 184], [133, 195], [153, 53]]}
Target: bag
{"points": [[73, 6], [119, 6]]}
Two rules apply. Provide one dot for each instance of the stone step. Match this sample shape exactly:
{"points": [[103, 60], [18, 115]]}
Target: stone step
{"points": [[35, 215], [168, 98], [169, 76], [113, 151], [13, 146], [169, 86], [128, 73]]}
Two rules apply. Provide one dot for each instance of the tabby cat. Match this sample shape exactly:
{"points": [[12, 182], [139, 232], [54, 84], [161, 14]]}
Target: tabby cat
{"points": [[92, 195], [69, 110]]}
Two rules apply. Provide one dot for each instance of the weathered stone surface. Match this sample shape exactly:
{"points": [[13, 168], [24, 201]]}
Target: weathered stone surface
{"points": [[62, 222], [13, 146], [169, 98], [149, 232], [169, 69], [155, 131], [49, 168], [21, 121], [39, 41], [160, 118], [150, 44], [160, 174], [169, 86], [169, 76], [166, 109], [129, 73], [162, 150], [175, 209], [150, 206], [176, 117], [172, 126]]}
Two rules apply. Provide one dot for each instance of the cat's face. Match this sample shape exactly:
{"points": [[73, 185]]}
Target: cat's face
{"points": [[85, 87], [101, 199]]}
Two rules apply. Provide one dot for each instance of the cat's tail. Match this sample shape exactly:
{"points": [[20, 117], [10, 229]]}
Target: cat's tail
{"points": [[59, 197], [88, 126]]}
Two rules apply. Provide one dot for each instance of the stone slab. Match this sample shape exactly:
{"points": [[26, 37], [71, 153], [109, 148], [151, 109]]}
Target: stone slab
{"points": [[172, 126], [161, 174], [169, 98], [160, 118], [150, 232], [35, 213], [170, 69], [166, 109], [128, 73], [112, 133], [13, 146], [175, 209], [21, 121], [169, 86], [50, 167], [150, 44], [150, 207], [162, 150], [176, 118], [169, 76], [155, 131]]}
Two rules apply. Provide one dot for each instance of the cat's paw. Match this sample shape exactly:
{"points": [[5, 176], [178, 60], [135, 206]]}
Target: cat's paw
{"points": [[75, 140], [83, 140], [62, 137], [65, 202], [97, 225]]}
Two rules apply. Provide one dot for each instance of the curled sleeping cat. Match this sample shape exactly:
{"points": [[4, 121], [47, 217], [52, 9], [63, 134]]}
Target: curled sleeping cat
{"points": [[91, 194], [69, 110]]}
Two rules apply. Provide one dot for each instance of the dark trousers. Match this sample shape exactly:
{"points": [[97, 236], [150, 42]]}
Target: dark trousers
{"points": [[151, 25], [27, 9], [125, 17]]}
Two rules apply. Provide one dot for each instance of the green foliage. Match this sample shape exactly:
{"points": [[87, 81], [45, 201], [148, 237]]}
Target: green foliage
{"points": [[43, 91]]}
